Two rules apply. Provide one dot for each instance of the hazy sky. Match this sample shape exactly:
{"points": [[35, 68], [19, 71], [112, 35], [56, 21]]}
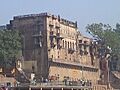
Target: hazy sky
{"points": [[83, 11]]}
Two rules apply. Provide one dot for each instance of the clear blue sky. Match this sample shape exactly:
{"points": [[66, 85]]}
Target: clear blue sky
{"points": [[83, 11]]}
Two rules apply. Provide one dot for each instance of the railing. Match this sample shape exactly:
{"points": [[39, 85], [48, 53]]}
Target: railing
{"points": [[100, 87], [65, 82]]}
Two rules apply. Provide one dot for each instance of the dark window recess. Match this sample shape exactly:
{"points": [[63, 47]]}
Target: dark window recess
{"points": [[52, 56], [80, 41], [68, 44], [85, 42], [85, 47], [51, 32], [52, 45], [52, 35], [63, 44], [81, 52], [85, 52], [73, 45], [80, 46], [58, 34], [59, 46]]}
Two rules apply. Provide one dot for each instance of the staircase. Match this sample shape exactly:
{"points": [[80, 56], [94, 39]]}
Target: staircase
{"points": [[21, 76]]}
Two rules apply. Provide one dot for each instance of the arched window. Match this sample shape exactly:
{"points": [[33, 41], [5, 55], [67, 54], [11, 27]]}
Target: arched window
{"points": [[68, 45], [73, 45], [63, 44]]}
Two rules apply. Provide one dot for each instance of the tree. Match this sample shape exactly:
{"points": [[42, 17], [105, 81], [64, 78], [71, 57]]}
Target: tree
{"points": [[109, 36], [10, 45]]}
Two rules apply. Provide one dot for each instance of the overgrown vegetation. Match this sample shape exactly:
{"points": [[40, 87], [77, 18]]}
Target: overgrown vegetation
{"points": [[108, 35], [10, 45]]}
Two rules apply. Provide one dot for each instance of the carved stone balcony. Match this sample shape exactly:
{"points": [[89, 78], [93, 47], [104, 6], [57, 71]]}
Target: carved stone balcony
{"points": [[52, 36], [51, 23], [58, 36], [57, 25]]}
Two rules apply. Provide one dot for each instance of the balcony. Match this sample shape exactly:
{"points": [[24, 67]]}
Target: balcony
{"points": [[70, 50], [52, 36], [59, 46], [51, 24], [58, 36], [57, 25]]}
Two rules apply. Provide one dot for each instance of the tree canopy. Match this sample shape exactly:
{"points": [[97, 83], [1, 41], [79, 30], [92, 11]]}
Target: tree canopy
{"points": [[10, 45], [104, 32]]}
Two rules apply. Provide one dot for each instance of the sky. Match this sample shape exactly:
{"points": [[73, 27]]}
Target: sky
{"points": [[83, 11]]}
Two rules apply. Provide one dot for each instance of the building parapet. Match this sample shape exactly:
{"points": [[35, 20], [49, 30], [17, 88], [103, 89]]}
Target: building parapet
{"points": [[69, 23], [61, 20], [30, 15]]}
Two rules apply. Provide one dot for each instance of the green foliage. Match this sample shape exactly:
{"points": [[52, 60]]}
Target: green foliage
{"points": [[10, 44], [110, 36]]}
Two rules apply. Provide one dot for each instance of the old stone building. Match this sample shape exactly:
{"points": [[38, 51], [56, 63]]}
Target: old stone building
{"points": [[53, 47]]}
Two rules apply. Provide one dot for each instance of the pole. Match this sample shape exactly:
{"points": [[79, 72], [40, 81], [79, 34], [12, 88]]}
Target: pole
{"points": [[82, 72]]}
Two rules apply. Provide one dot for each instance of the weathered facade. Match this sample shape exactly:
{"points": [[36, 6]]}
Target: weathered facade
{"points": [[53, 47]]}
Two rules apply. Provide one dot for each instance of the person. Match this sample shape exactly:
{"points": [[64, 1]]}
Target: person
{"points": [[65, 80], [46, 81]]}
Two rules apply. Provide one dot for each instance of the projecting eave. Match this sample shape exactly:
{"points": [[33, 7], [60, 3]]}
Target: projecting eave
{"points": [[82, 66]]}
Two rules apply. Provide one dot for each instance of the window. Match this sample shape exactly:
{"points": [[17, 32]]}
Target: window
{"points": [[85, 42], [73, 45], [51, 32], [52, 56], [63, 44], [68, 45], [80, 41]]}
